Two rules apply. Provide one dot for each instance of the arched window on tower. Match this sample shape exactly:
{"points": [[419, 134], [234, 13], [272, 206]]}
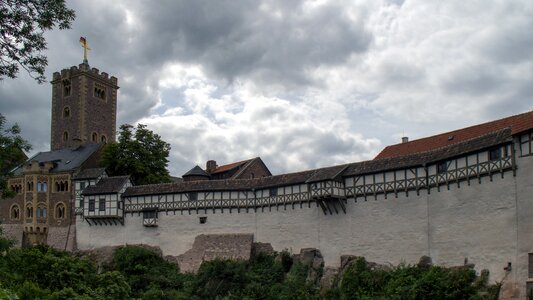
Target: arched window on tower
{"points": [[66, 87], [95, 137], [65, 136], [66, 112], [103, 139]]}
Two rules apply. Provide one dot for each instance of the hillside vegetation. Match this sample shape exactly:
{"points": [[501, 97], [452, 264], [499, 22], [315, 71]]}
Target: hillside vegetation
{"points": [[140, 273]]}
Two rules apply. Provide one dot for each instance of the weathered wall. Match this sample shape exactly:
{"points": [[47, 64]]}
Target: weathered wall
{"points": [[477, 222]]}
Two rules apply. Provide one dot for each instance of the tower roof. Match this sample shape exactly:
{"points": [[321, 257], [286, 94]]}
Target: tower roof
{"points": [[196, 171]]}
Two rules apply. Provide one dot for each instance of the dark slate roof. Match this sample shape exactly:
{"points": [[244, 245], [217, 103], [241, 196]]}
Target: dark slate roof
{"points": [[91, 173], [517, 123], [108, 185], [418, 159], [64, 159], [196, 171], [330, 173]]}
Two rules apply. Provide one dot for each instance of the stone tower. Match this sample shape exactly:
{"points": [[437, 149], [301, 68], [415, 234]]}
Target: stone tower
{"points": [[84, 107]]}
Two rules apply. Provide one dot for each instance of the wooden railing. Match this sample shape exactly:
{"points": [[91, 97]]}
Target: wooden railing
{"points": [[423, 181]]}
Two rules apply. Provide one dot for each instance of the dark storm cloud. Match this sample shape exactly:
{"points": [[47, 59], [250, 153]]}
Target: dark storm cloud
{"points": [[273, 42]]}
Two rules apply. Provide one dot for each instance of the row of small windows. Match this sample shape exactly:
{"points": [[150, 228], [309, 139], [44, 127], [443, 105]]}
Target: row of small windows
{"points": [[41, 186], [17, 188], [101, 204], [60, 211], [94, 137], [99, 92], [61, 186], [494, 154]]}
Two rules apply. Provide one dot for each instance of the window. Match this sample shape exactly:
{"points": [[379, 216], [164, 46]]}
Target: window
{"points": [[65, 136], [66, 112], [42, 186], [41, 212], [62, 186], [15, 212], [530, 265], [203, 220], [29, 211], [193, 196], [81, 203], [103, 139], [273, 191], [91, 204], [526, 144], [82, 185], [95, 137], [99, 91], [495, 154], [101, 204], [66, 87], [60, 211], [30, 185], [150, 217], [442, 167]]}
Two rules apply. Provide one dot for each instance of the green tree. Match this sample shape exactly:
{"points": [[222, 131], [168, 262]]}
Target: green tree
{"points": [[22, 27], [140, 153], [12, 147]]}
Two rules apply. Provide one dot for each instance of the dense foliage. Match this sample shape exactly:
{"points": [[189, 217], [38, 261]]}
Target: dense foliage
{"points": [[22, 27], [140, 273], [12, 147], [140, 153]]}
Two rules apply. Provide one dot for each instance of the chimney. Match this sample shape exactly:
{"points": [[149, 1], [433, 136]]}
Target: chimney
{"points": [[405, 139], [210, 166]]}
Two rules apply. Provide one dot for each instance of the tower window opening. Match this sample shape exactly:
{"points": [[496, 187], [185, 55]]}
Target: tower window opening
{"points": [[94, 137], [15, 212], [65, 136], [103, 139], [66, 87], [99, 91], [66, 112], [60, 211]]}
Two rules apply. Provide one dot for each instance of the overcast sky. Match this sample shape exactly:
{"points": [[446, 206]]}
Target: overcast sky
{"points": [[302, 84]]}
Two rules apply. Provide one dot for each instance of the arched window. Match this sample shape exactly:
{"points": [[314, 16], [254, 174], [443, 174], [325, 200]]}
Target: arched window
{"points": [[60, 212], [95, 137], [103, 139], [30, 185], [15, 212], [66, 112], [41, 211], [65, 136], [29, 211], [66, 87], [42, 186]]}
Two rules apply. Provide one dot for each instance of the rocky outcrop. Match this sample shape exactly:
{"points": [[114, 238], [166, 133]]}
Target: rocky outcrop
{"points": [[207, 247]]}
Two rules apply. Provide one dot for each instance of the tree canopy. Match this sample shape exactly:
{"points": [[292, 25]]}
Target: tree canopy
{"points": [[12, 147], [140, 153], [22, 27]]}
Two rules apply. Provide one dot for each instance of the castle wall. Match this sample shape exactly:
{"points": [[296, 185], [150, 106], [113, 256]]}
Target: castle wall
{"points": [[485, 223]]}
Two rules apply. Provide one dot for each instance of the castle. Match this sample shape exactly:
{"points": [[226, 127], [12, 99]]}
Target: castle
{"points": [[457, 197]]}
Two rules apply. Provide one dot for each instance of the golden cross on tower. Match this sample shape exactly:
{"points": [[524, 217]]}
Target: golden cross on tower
{"points": [[85, 45]]}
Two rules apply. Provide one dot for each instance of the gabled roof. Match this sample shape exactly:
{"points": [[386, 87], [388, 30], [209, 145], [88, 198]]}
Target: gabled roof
{"points": [[64, 159], [90, 173], [196, 171], [108, 185], [517, 123]]}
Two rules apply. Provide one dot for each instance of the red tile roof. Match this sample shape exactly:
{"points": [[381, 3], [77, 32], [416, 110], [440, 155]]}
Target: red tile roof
{"points": [[231, 166], [517, 123]]}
